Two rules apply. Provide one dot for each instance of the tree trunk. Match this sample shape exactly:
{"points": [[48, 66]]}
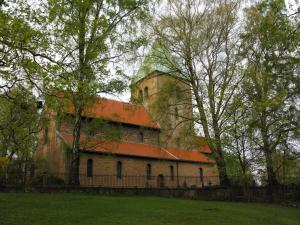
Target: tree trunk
{"points": [[224, 180], [272, 181], [78, 101], [75, 159], [220, 160]]}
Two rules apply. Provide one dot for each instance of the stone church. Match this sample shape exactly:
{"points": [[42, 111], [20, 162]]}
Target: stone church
{"points": [[156, 146]]}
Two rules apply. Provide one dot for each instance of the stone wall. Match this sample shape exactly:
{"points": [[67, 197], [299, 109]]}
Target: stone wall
{"points": [[50, 154], [128, 133], [104, 166]]}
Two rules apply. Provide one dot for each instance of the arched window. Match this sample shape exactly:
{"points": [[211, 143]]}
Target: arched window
{"points": [[89, 168], [141, 95], [119, 169], [92, 132], [177, 93], [172, 172], [148, 170], [46, 135], [39, 105], [146, 94], [178, 142], [176, 113], [141, 137], [201, 176]]}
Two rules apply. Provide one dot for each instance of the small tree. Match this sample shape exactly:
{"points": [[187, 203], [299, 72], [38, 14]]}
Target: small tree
{"points": [[19, 121]]}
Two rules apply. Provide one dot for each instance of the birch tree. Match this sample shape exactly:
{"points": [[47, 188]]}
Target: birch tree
{"points": [[271, 47], [201, 37]]}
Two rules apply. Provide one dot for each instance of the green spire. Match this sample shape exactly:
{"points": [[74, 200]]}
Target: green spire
{"points": [[160, 60]]}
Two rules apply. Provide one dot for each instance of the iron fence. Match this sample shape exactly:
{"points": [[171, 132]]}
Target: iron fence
{"points": [[126, 181]]}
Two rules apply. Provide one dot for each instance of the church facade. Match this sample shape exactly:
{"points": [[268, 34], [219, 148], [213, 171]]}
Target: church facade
{"points": [[155, 146]]}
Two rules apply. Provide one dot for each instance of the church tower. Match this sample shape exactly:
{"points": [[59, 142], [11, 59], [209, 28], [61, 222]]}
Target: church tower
{"points": [[166, 96]]}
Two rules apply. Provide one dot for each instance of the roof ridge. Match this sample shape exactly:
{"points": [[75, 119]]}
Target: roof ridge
{"points": [[110, 99], [169, 153]]}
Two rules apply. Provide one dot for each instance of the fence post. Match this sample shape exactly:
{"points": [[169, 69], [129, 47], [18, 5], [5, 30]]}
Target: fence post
{"points": [[45, 179]]}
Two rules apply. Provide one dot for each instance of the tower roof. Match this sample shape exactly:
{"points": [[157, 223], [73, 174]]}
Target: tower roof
{"points": [[158, 60]]}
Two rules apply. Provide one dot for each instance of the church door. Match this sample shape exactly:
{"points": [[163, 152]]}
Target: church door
{"points": [[160, 181]]}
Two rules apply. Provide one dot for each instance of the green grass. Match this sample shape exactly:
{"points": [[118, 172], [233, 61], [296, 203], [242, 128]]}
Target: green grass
{"points": [[83, 209]]}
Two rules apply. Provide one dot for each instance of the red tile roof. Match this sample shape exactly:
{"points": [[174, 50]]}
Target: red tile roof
{"points": [[202, 145], [204, 149], [119, 112], [137, 150]]}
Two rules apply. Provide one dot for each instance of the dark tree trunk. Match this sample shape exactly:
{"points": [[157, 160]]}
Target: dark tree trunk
{"points": [[272, 180], [213, 144], [221, 164], [78, 100], [75, 158]]}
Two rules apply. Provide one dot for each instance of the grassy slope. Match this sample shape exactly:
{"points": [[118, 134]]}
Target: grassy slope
{"points": [[81, 209]]}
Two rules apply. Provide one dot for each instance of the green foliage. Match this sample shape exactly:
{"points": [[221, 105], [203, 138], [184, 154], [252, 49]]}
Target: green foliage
{"points": [[270, 46], [4, 162], [21, 46], [102, 130], [93, 34], [46, 179], [287, 167], [235, 171], [19, 120]]}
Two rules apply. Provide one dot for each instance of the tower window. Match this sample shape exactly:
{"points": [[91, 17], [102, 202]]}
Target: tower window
{"points": [[119, 169], [141, 137], [178, 142], [172, 172], [177, 93], [176, 113], [141, 95], [149, 172], [92, 132], [201, 173], [146, 94], [46, 135], [89, 168]]}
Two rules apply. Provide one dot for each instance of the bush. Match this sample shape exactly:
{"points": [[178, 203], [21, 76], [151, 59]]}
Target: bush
{"points": [[48, 180]]}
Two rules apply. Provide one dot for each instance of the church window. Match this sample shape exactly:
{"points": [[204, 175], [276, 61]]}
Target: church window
{"points": [[39, 105], [201, 175], [92, 132], [141, 95], [149, 171], [141, 137], [172, 172], [46, 135], [176, 113], [177, 93], [119, 169], [146, 94], [89, 168], [178, 142]]}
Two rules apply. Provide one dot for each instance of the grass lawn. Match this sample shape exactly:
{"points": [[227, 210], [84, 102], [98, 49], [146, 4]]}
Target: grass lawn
{"points": [[84, 209]]}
